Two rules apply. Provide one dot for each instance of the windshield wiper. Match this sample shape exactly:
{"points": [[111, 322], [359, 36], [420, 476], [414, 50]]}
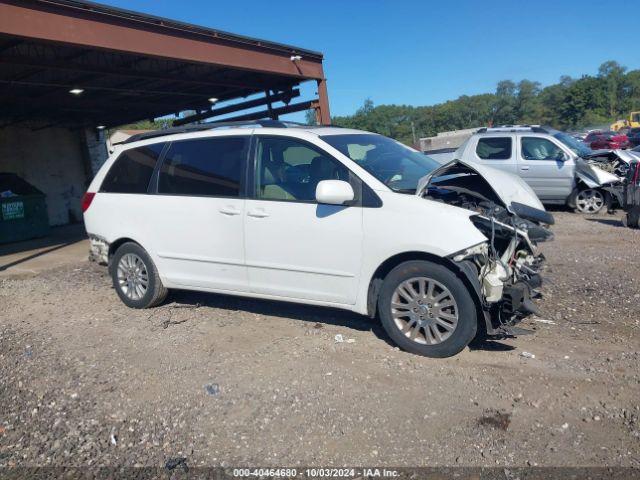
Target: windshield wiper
{"points": [[405, 190]]}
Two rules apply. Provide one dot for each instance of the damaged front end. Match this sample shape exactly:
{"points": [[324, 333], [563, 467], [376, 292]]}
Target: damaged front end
{"points": [[504, 270], [607, 170]]}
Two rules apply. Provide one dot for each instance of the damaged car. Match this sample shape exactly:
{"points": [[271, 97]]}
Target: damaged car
{"points": [[327, 216], [552, 162], [625, 193], [608, 170]]}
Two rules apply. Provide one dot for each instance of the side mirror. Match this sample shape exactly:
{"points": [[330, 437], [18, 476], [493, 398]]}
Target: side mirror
{"points": [[334, 192], [563, 157]]}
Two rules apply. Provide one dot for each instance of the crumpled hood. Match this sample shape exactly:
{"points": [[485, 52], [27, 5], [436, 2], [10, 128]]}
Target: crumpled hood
{"points": [[626, 156], [508, 187], [594, 176]]}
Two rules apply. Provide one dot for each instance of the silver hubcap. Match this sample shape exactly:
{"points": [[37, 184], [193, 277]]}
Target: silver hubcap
{"points": [[133, 278], [424, 310], [589, 201]]}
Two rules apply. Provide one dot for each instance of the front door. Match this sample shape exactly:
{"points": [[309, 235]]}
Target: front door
{"points": [[200, 209], [546, 168], [296, 248]]}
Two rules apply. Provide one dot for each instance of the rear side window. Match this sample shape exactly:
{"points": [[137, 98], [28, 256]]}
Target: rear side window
{"points": [[132, 170], [204, 167], [497, 148]]}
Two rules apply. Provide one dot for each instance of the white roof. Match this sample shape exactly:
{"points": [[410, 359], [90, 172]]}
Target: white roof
{"points": [[299, 131]]}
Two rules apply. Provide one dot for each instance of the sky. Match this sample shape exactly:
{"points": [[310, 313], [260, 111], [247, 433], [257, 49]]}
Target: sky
{"points": [[425, 52]]}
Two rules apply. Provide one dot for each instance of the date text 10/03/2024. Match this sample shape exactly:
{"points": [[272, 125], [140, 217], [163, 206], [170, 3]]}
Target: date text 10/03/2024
{"points": [[315, 472]]}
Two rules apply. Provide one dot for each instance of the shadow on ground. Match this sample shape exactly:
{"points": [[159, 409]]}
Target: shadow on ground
{"points": [[614, 222], [295, 311], [307, 313], [57, 236]]}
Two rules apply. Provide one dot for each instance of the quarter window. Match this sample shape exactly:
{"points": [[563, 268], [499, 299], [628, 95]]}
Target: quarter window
{"points": [[204, 167], [290, 170], [132, 170], [534, 148], [496, 148]]}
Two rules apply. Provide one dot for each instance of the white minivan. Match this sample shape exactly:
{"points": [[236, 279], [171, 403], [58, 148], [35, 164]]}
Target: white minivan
{"points": [[323, 216]]}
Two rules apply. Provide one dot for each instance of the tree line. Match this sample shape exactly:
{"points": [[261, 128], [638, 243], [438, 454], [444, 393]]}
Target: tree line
{"points": [[567, 105]]}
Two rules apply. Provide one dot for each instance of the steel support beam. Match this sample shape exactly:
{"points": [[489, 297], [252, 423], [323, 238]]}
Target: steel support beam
{"points": [[41, 64], [296, 107], [323, 114], [94, 29], [284, 96]]}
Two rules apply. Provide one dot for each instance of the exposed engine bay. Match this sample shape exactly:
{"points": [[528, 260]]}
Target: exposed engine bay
{"points": [[505, 270], [613, 161], [617, 163]]}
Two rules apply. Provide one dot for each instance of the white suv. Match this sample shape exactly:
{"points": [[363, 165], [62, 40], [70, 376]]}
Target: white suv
{"points": [[323, 216]]}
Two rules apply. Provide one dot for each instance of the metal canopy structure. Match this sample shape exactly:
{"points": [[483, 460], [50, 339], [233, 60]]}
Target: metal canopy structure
{"points": [[76, 63]]}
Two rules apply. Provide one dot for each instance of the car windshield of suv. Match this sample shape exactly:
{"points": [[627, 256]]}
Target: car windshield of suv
{"points": [[576, 146], [394, 164]]}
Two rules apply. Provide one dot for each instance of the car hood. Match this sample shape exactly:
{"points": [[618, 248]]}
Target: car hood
{"points": [[626, 156], [508, 188], [594, 176]]}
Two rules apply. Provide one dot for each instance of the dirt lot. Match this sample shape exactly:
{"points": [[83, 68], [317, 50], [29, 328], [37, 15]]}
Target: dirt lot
{"points": [[226, 381]]}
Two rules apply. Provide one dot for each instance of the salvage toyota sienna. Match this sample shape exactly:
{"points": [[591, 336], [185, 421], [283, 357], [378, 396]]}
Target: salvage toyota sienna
{"points": [[322, 216]]}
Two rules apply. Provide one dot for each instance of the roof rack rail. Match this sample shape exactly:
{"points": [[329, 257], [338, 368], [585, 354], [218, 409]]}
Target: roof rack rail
{"points": [[205, 126], [513, 128]]}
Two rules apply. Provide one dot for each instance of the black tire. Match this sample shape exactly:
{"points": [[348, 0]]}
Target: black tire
{"points": [[633, 218], [467, 325], [155, 293], [606, 200]]}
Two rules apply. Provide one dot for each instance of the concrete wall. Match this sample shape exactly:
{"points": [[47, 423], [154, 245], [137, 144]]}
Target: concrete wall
{"points": [[446, 140], [55, 160]]}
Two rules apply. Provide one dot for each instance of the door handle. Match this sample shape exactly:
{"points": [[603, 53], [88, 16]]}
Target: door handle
{"points": [[526, 167], [257, 213], [228, 210]]}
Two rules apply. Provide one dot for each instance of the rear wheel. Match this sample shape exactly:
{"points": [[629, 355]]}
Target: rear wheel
{"points": [[426, 309], [136, 278], [590, 201]]}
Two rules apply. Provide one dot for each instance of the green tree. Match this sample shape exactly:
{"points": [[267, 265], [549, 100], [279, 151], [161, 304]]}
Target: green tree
{"points": [[527, 104], [505, 105], [571, 103], [613, 75]]}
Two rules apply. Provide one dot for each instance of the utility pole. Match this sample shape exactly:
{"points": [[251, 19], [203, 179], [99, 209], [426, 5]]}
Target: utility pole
{"points": [[413, 134]]}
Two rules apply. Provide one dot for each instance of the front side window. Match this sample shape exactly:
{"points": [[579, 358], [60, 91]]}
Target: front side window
{"points": [[204, 167], [287, 169], [496, 148], [132, 170], [394, 164], [534, 148]]}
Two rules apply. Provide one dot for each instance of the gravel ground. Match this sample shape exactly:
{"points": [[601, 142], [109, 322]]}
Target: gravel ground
{"points": [[228, 381]]}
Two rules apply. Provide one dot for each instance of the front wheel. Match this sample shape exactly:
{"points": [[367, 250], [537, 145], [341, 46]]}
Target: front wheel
{"points": [[426, 309], [590, 201]]}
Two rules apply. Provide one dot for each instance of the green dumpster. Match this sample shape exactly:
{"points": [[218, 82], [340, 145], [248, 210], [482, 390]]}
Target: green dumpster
{"points": [[23, 210]]}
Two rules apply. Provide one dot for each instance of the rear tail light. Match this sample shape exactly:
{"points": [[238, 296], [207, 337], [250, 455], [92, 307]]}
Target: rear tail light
{"points": [[87, 198]]}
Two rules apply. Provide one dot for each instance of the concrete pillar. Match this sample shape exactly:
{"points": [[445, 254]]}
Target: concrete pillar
{"points": [[95, 149]]}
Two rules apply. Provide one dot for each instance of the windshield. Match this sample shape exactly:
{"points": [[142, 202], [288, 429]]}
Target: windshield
{"points": [[576, 146], [394, 164]]}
